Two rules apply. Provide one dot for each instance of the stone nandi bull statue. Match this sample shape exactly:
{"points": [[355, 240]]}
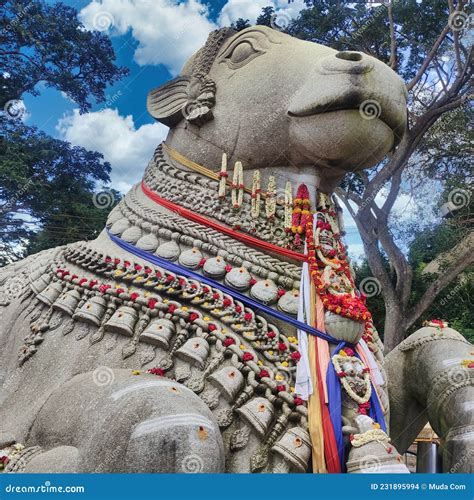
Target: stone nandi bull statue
{"points": [[188, 336]]}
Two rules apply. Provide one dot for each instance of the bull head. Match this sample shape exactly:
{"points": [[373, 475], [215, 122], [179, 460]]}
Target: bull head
{"points": [[268, 99]]}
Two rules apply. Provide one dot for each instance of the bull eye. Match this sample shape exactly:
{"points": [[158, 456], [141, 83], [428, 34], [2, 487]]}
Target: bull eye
{"points": [[241, 52]]}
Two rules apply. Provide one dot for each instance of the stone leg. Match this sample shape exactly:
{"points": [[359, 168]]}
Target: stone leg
{"points": [[118, 422], [430, 379]]}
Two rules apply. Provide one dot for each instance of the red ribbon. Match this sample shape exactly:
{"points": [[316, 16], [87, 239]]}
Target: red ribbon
{"points": [[244, 238]]}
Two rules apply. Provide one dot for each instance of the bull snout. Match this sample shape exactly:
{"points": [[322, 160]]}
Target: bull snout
{"points": [[347, 62]]}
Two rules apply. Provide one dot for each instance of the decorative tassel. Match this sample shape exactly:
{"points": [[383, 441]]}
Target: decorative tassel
{"points": [[237, 186], [223, 177], [270, 201], [256, 194]]}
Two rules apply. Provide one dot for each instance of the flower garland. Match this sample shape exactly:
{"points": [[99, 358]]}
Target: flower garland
{"points": [[256, 195], [288, 207], [8, 453], [301, 213], [270, 201], [237, 193], [352, 307], [378, 435], [344, 356], [223, 177]]}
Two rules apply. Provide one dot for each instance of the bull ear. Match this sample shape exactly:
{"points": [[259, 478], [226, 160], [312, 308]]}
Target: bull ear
{"points": [[166, 103]]}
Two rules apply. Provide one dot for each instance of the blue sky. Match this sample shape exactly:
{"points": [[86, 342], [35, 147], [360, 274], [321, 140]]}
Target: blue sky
{"points": [[152, 38]]}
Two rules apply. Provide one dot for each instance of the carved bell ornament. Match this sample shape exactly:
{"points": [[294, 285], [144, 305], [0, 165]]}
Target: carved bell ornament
{"points": [[229, 381], [190, 258], [343, 329], [258, 413], [67, 302], [295, 447], [123, 321], [39, 280], [92, 311], [50, 293], [159, 332], [194, 351]]}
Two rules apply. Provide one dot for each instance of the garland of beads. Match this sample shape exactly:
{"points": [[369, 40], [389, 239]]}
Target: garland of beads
{"points": [[237, 186], [270, 201], [223, 177]]}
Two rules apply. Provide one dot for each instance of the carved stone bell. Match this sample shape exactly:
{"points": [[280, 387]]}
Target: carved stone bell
{"points": [[92, 311], [342, 328], [123, 321], [194, 351], [67, 302], [39, 281], [159, 332], [229, 381], [258, 413], [50, 293], [295, 447]]}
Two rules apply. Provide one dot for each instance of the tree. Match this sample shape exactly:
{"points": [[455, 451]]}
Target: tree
{"points": [[47, 43], [266, 18], [47, 191], [240, 24], [48, 186], [425, 43]]}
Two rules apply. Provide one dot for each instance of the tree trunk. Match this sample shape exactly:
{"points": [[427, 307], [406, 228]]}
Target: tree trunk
{"points": [[395, 326]]}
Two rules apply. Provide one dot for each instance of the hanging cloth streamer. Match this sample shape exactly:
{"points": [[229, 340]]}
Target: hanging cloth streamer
{"points": [[335, 407]]}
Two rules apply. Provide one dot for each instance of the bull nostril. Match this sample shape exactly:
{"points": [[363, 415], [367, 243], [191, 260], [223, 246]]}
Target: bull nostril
{"points": [[349, 56]]}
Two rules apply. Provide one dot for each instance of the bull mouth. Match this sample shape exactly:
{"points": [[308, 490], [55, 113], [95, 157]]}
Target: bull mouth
{"points": [[369, 109]]}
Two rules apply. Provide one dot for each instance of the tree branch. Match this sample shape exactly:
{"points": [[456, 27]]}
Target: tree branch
{"points": [[393, 41], [462, 258]]}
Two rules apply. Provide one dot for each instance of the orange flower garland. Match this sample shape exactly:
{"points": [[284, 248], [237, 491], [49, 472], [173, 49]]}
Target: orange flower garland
{"points": [[344, 305]]}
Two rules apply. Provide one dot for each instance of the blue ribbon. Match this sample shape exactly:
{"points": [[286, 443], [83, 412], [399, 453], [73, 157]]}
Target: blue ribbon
{"points": [[177, 269], [335, 406]]}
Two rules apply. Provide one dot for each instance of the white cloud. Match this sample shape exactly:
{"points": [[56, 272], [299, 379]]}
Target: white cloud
{"points": [[245, 9], [356, 251], [127, 148], [168, 32]]}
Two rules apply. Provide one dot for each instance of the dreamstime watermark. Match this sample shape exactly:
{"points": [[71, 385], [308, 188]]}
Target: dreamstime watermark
{"points": [[370, 287], [370, 464], [463, 280], [103, 199], [460, 198], [102, 376], [47, 487], [465, 457], [458, 377], [103, 21], [111, 100], [460, 20], [12, 201], [18, 18], [281, 20], [15, 109], [192, 464], [370, 109]]}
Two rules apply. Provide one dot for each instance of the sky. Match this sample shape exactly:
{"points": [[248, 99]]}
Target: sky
{"points": [[153, 38]]}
